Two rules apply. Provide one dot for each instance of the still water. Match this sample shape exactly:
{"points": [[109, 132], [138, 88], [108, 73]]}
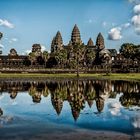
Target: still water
{"points": [[30, 107]]}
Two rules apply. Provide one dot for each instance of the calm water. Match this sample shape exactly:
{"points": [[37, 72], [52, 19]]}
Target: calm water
{"points": [[38, 107]]}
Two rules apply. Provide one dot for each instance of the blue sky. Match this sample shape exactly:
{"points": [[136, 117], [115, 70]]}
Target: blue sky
{"points": [[25, 22]]}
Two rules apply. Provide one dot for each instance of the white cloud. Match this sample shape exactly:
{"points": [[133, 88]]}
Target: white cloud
{"points": [[14, 39], [6, 38], [27, 52], [43, 48], [6, 23], [10, 41], [104, 24], [137, 30], [1, 96], [114, 105], [113, 24], [134, 1], [131, 1], [115, 34], [14, 103], [126, 25], [136, 23], [1, 46], [114, 108], [90, 21], [115, 111], [136, 122], [137, 9], [136, 20]]}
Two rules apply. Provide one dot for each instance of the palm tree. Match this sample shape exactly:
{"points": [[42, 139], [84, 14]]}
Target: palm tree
{"points": [[45, 56], [32, 57]]}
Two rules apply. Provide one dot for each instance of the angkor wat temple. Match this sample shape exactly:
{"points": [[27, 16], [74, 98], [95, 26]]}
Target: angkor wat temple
{"points": [[88, 57]]}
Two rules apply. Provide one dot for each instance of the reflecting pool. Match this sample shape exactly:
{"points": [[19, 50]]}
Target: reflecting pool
{"points": [[32, 107]]}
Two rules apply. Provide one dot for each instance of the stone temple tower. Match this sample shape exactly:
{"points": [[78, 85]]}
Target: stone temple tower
{"points": [[57, 42], [52, 45], [100, 42], [75, 36], [90, 43]]}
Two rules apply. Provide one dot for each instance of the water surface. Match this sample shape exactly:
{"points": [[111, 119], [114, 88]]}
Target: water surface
{"points": [[65, 106]]}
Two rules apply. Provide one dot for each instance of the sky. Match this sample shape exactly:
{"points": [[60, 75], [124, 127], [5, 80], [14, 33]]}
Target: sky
{"points": [[26, 22]]}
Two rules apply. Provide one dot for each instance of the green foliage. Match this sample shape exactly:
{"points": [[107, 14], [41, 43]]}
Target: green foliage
{"points": [[89, 57], [45, 55], [32, 55], [79, 51], [26, 62], [40, 60], [72, 63], [61, 55], [52, 62], [129, 50]]}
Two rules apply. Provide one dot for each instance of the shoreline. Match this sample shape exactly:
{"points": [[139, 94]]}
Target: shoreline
{"points": [[84, 135], [63, 76]]}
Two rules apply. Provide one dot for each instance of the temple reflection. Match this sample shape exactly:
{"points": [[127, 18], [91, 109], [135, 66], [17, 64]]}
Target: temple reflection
{"points": [[76, 92], [1, 112]]}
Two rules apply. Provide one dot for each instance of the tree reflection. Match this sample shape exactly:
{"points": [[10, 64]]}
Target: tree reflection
{"points": [[76, 93], [1, 112], [76, 98], [130, 99]]}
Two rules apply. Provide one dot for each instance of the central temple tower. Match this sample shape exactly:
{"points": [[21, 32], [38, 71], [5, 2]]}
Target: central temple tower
{"points": [[75, 36]]}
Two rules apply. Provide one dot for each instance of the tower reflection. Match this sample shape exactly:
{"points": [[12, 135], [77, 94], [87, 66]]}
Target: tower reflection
{"points": [[76, 92]]}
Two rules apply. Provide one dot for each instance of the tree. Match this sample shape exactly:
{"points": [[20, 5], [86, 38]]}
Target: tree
{"points": [[89, 57], [128, 50], [26, 62], [40, 60], [32, 57], [61, 57], [79, 53], [51, 62], [45, 55], [137, 52]]}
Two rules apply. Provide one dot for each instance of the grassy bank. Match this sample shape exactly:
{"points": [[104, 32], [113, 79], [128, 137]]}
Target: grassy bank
{"points": [[129, 76]]}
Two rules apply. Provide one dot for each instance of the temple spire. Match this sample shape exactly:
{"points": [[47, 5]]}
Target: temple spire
{"points": [[57, 42], [75, 36], [52, 45], [100, 42], [58, 105], [99, 104], [90, 43]]}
